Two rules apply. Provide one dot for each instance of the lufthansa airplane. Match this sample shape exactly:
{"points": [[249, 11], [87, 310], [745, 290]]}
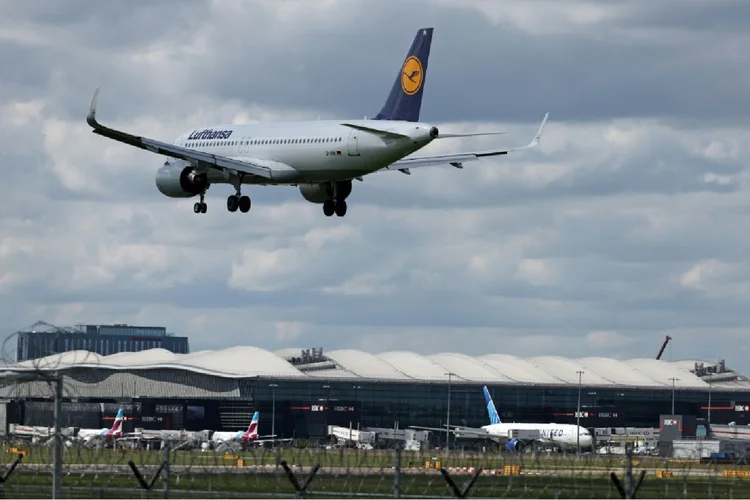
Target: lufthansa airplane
{"points": [[321, 158]]}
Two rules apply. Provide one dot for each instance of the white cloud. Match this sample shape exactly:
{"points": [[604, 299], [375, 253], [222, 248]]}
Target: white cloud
{"points": [[286, 331], [607, 341]]}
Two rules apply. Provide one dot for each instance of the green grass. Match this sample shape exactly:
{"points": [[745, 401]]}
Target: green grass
{"points": [[352, 458], [104, 473], [29, 485]]}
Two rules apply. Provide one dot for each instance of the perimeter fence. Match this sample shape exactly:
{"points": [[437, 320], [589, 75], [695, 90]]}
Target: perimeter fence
{"points": [[125, 471], [52, 462]]}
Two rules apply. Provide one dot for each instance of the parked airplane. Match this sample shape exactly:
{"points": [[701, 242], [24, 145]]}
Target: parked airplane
{"points": [[244, 437], [114, 432], [561, 435], [321, 158]]}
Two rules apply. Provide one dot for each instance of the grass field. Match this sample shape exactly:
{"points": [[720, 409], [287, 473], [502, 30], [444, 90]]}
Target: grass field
{"points": [[30, 485], [104, 473], [351, 458]]}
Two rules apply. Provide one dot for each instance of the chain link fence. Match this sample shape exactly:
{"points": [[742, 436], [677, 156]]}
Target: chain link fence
{"points": [[125, 471]]}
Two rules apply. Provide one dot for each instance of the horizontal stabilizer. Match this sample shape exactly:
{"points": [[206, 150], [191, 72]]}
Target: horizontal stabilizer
{"points": [[376, 131], [457, 159], [453, 136]]}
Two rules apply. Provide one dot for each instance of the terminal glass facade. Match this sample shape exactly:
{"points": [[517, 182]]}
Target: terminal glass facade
{"points": [[305, 409]]}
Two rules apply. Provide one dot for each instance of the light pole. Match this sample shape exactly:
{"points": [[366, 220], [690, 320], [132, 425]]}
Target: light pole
{"points": [[709, 399], [673, 379], [448, 424], [273, 414], [578, 415]]}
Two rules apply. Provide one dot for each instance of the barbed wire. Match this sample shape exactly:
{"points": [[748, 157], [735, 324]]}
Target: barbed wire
{"points": [[123, 468]]}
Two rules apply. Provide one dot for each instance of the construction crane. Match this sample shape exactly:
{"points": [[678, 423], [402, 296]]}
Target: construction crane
{"points": [[663, 346]]}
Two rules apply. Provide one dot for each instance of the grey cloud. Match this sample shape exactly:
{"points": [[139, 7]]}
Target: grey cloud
{"points": [[613, 223], [498, 72]]}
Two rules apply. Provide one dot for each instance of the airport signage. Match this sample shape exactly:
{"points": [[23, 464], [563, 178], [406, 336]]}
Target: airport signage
{"points": [[607, 415], [346, 408]]}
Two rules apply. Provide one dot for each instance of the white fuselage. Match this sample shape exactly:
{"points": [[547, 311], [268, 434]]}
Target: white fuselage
{"points": [[319, 151], [94, 433], [223, 437], [563, 435]]}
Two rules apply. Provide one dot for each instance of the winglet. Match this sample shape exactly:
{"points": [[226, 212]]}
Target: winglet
{"points": [[91, 118], [538, 135]]}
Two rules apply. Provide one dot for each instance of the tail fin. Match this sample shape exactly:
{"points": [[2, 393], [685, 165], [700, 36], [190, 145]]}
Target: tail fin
{"points": [[405, 99], [252, 432], [117, 425], [494, 417]]}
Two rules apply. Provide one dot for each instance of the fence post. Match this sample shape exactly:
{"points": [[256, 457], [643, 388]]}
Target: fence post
{"points": [[397, 473], [57, 469], [166, 468]]}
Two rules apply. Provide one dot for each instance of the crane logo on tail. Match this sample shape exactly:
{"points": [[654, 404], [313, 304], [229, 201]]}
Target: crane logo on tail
{"points": [[411, 75]]}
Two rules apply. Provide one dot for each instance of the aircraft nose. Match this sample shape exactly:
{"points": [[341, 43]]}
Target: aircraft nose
{"points": [[434, 132]]}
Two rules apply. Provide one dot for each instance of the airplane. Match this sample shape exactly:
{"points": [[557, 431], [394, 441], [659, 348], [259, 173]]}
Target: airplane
{"points": [[321, 158], [244, 437], [114, 432], [561, 435]]}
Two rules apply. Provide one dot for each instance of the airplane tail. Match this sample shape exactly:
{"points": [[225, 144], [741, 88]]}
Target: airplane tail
{"points": [[116, 429], [252, 432], [494, 417], [405, 99]]}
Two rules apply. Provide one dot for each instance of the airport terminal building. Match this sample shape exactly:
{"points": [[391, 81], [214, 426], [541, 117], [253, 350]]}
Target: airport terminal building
{"points": [[306, 390]]}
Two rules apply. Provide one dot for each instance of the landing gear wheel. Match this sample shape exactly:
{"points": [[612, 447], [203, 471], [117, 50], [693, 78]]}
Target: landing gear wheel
{"points": [[200, 207], [244, 204], [328, 208], [233, 203], [340, 208]]}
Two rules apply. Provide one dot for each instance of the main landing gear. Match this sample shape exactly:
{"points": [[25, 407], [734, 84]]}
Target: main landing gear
{"points": [[338, 207], [238, 200], [337, 203]]}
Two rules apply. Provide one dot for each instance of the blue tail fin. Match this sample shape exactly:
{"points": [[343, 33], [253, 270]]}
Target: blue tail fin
{"points": [[494, 417], [405, 99]]}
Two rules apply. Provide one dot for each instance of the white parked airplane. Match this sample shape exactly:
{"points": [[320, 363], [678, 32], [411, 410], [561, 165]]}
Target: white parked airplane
{"points": [[244, 437], [105, 434], [321, 158], [560, 435]]}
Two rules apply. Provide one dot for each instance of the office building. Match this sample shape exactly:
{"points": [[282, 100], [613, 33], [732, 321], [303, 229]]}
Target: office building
{"points": [[101, 339]]}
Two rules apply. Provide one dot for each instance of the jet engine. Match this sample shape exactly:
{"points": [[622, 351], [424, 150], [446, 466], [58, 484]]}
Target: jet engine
{"points": [[320, 193], [180, 180], [514, 445]]}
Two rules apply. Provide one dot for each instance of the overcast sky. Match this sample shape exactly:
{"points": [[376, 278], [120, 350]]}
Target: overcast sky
{"points": [[631, 221]]}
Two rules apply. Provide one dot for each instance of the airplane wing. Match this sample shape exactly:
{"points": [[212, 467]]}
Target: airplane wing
{"points": [[257, 168], [283, 440], [470, 432], [457, 159]]}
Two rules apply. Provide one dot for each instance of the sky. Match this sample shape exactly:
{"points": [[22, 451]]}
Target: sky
{"points": [[629, 222]]}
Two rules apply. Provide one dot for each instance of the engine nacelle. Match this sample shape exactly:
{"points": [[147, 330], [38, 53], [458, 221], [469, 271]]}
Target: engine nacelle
{"points": [[514, 445], [320, 193], [180, 180]]}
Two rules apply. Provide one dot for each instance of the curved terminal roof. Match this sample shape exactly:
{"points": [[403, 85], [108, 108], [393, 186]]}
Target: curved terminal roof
{"points": [[397, 366]]}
